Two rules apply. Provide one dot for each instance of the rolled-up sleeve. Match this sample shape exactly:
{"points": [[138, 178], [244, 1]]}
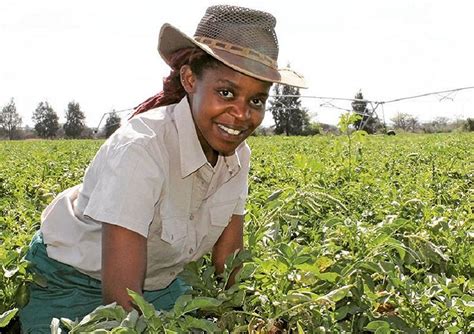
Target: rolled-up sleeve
{"points": [[242, 178], [128, 187], [240, 206]]}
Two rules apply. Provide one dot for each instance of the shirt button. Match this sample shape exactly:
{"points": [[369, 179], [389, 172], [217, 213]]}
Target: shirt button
{"points": [[172, 273], [191, 251], [191, 216]]}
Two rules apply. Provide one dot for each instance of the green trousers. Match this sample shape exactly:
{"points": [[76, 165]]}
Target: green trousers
{"points": [[72, 294]]}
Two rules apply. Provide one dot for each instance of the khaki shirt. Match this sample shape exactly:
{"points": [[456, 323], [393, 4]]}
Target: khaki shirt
{"points": [[151, 177]]}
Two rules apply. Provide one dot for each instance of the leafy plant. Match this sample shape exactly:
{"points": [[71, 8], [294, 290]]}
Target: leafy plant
{"points": [[344, 234]]}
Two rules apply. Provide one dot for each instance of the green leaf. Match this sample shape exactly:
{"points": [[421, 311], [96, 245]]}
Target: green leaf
{"points": [[180, 304], [201, 303], [371, 267], [146, 308], [433, 249], [377, 324], [5, 317], [8, 273], [238, 298], [123, 330], [343, 311], [191, 274], [130, 320], [454, 329], [299, 327], [383, 330], [105, 325], [141, 324], [169, 331], [246, 272], [68, 323], [110, 312], [328, 277], [274, 195], [208, 273], [285, 250], [297, 298], [338, 294], [323, 263], [22, 295], [302, 259], [202, 324]]}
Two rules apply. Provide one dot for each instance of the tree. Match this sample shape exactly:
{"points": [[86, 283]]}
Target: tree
{"points": [[367, 121], [46, 120], [469, 125], [439, 124], [74, 120], [405, 122], [10, 120], [289, 116], [112, 123]]}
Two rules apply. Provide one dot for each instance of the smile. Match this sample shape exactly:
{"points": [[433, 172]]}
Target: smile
{"points": [[230, 131]]}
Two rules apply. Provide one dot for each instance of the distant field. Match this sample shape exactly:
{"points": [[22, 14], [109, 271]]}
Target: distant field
{"points": [[375, 236]]}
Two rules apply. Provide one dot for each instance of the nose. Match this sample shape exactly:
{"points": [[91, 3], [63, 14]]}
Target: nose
{"points": [[241, 111]]}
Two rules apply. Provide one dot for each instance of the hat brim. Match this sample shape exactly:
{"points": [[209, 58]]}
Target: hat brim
{"points": [[172, 39]]}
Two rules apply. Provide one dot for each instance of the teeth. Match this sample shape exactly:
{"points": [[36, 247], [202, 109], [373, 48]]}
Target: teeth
{"points": [[229, 130]]}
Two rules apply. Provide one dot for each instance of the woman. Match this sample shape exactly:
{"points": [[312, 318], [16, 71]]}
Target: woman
{"points": [[171, 184]]}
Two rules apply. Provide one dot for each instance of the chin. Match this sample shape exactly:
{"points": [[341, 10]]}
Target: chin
{"points": [[226, 150], [227, 153]]}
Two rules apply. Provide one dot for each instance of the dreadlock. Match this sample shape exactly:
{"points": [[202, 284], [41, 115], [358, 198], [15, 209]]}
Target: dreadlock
{"points": [[173, 91]]}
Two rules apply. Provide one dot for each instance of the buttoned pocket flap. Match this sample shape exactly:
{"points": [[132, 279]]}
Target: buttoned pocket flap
{"points": [[222, 213], [173, 230]]}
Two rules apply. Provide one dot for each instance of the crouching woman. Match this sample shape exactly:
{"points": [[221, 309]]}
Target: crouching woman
{"points": [[170, 185]]}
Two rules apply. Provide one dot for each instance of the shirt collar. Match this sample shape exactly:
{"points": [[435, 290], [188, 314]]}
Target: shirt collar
{"points": [[191, 154]]}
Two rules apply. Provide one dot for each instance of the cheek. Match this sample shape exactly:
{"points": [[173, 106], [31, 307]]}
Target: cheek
{"points": [[198, 109], [257, 119]]}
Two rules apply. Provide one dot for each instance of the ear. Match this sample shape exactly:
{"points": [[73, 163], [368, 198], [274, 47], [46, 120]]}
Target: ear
{"points": [[188, 79]]}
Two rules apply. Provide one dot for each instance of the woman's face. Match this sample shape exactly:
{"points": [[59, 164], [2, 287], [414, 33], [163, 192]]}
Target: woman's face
{"points": [[227, 106]]}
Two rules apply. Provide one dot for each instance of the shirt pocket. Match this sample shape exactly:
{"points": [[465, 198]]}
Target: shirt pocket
{"points": [[220, 215], [174, 230]]}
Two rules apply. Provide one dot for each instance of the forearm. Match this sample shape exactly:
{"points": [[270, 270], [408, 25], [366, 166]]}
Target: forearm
{"points": [[123, 264], [230, 241], [114, 289]]}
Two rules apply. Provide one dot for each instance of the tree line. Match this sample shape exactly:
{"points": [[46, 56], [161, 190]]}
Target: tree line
{"points": [[46, 122], [369, 121], [290, 118]]}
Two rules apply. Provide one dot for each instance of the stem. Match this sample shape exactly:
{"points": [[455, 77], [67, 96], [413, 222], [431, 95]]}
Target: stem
{"points": [[349, 136]]}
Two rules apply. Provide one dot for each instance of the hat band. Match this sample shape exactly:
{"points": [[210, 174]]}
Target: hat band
{"points": [[238, 50]]}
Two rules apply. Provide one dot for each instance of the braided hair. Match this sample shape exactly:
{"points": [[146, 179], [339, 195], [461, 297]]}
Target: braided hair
{"points": [[173, 91]]}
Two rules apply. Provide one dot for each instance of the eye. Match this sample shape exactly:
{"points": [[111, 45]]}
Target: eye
{"points": [[226, 93], [258, 103]]}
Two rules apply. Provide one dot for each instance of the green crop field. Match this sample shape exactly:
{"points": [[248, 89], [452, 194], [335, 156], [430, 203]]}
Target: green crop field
{"points": [[343, 235]]}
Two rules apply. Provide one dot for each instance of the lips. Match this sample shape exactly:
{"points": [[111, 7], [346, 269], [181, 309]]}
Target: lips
{"points": [[230, 131]]}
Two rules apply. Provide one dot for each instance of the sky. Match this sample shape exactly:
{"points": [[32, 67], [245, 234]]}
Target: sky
{"points": [[102, 53]]}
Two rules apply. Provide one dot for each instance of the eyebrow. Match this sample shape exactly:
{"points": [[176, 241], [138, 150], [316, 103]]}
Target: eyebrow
{"points": [[236, 87]]}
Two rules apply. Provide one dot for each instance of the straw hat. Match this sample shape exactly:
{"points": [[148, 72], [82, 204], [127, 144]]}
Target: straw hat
{"points": [[241, 38]]}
